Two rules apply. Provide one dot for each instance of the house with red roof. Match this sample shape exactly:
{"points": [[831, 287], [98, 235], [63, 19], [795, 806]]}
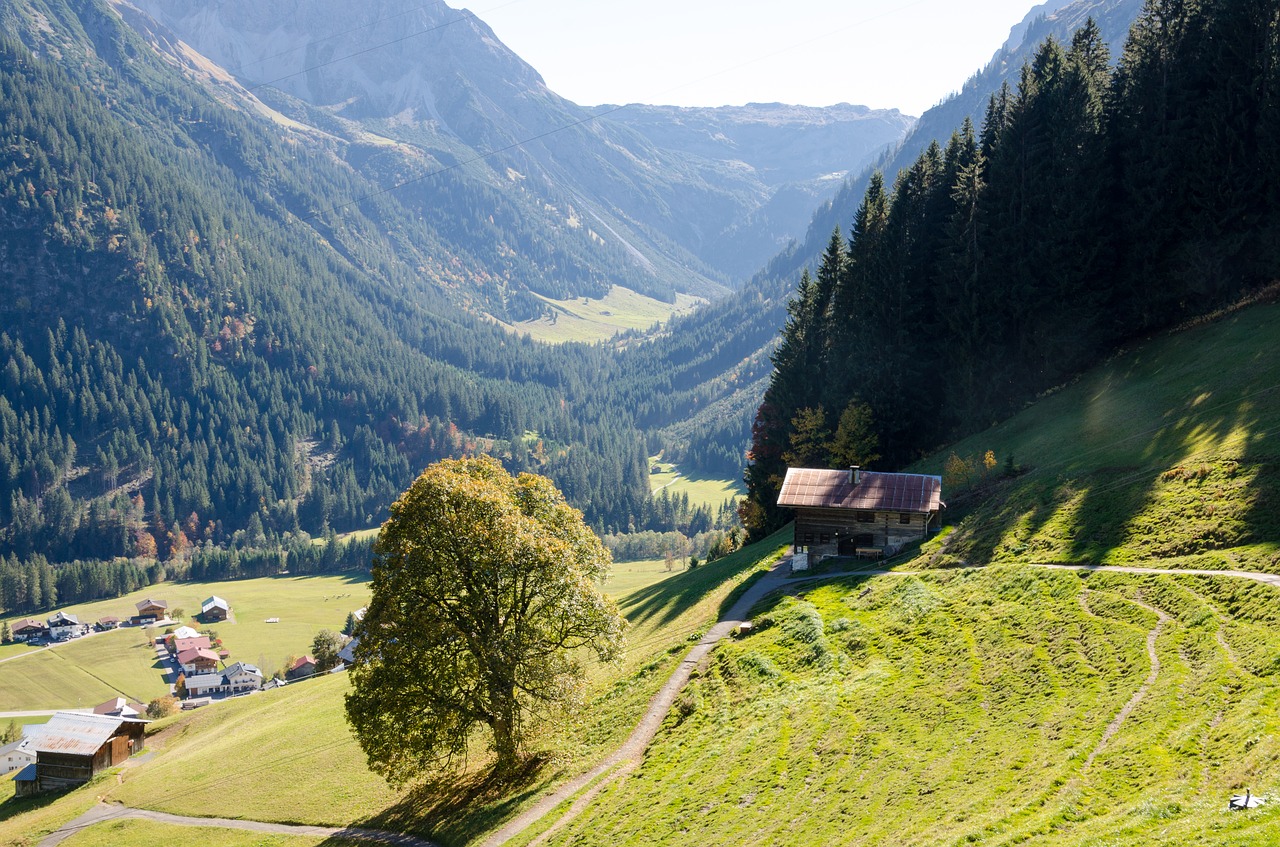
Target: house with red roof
{"points": [[859, 513], [197, 661], [304, 667]]}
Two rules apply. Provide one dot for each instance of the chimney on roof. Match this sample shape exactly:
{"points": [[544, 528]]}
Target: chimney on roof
{"points": [[855, 474]]}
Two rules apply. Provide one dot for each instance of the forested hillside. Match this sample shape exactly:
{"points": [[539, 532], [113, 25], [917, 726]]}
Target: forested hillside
{"points": [[190, 358], [1093, 207], [720, 429]]}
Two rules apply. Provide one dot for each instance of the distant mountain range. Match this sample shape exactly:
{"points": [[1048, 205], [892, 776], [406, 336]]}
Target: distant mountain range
{"points": [[720, 408], [254, 258], [698, 196]]}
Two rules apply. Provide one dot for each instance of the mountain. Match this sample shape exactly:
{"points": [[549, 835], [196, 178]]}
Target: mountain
{"points": [[721, 408], [438, 80], [800, 155]]}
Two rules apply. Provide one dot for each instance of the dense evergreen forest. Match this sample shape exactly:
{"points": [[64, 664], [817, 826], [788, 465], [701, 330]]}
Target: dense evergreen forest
{"points": [[207, 348], [1093, 207]]}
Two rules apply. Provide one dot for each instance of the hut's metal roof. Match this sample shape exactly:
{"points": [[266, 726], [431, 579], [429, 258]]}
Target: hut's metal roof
{"points": [[875, 492], [213, 601], [78, 734]]}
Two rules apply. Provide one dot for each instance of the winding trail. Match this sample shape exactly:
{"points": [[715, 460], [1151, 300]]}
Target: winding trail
{"points": [[1127, 709], [107, 812], [584, 788]]}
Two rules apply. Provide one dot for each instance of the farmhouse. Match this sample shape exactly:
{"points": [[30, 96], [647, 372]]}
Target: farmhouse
{"points": [[29, 629], [63, 626], [856, 512], [150, 611], [236, 679], [73, 747], [118, 707], [198, 661], [16, 755], [214, 609], [107, 622], [304, 667]]}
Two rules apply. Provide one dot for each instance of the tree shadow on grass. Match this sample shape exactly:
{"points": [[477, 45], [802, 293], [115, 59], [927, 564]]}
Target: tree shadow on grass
{"points": [[670, 598], [456, 809]]}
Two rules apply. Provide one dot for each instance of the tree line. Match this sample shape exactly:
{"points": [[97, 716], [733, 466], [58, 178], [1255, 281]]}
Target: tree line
{"points": [[1095, 205]]}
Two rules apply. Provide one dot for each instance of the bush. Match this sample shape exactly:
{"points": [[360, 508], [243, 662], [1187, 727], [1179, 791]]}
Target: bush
{"points": [[162, 707]]}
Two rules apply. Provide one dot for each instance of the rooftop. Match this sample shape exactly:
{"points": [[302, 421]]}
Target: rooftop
{"points": [[78, 734], [875, 492]]}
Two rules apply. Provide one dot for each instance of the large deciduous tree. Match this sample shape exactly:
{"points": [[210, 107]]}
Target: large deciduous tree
{"points": [[485, 603]]}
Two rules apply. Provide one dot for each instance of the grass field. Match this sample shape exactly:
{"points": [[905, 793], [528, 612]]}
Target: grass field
{"points": [[585, 319], [301, 731], [1168, 452], [964, 708], [90, 670], [139, 833], [702, 491], [626, 577], [82, 673]]}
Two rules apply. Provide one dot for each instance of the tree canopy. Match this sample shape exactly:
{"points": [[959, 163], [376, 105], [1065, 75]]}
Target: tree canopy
{"points": [[485, 603]]}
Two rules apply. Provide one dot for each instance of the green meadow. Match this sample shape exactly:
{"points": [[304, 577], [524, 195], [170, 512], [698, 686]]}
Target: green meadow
{"points": [[588, 320], [702, 491], [970, 707], [296, 760], [1169, 454]]}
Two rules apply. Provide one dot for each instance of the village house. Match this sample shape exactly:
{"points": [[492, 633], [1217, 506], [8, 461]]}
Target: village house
{"points": [[859, 513], [118, 707], [178, 646], [239, 678], [347, 655], [63, 626], [198, 661], [17, 755], [303, 667], [74, 747], [107, 622], [150, 611], [29, 629], [214, 609]]}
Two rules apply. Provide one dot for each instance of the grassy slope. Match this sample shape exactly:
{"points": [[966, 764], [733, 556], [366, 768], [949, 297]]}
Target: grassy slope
{"points": [[1167, 453], [89, 671], [295, 759], [961, 707]]}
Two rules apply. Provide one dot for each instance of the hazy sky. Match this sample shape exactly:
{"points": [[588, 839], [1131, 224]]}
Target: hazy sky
{"points": [[907, 54]]}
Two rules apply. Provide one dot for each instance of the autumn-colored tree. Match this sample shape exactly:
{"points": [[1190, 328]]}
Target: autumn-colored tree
{"points": [[485, 602], [988, 463], [957, 472], [144, 544]]}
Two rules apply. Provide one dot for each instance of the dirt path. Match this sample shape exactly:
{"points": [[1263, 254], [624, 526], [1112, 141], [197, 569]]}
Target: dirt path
{"points": [[107, 812], [1127, 709], [628, 757]]}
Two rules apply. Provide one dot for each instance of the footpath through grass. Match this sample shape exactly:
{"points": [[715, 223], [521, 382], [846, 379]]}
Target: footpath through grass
{"points": [[288, 756], [960, 708], [1168, 455]]}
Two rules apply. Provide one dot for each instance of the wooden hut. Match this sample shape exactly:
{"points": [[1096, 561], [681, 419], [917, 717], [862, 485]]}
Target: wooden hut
{"points": [[73, 747], [859, 513]]}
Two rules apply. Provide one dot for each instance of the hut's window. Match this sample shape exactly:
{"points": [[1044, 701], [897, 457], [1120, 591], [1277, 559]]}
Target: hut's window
{"points": [[904, 517], [826, 539], [866, 517], [808, 538]]}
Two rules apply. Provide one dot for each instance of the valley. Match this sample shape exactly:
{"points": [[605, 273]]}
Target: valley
{"points": [[262, 269]]}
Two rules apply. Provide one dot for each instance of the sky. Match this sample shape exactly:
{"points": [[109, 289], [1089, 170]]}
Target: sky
{"points": [[904, 54]]}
